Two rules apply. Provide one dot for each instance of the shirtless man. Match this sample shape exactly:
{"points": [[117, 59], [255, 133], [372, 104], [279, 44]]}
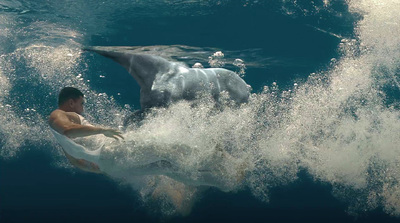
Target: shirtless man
{"points": [[66, 120]]}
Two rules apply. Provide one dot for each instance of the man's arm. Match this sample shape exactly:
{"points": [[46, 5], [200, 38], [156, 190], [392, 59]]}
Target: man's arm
{"points": [[60, 122]]}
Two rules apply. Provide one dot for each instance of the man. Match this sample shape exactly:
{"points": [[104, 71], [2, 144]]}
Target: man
{"points": [[67, 121]]}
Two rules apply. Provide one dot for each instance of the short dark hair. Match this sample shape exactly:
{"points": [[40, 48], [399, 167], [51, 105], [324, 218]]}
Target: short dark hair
{"points": [[68, 93]]}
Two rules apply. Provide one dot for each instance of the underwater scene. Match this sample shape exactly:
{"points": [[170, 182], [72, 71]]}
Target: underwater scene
{"points": [[317, 139]]}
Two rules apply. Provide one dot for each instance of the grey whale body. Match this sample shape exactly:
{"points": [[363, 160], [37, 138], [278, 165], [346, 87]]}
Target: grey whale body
{"points": [[163, 82]]}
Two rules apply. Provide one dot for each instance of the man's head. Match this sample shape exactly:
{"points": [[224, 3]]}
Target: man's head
{"points": [[71, 100]]}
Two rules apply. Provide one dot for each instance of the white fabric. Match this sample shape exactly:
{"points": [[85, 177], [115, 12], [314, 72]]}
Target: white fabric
{"points": [[76, 150]]}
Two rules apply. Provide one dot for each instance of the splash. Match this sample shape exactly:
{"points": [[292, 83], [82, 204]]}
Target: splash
{"points": [[216, 60], [336, 125], [241, 67]]}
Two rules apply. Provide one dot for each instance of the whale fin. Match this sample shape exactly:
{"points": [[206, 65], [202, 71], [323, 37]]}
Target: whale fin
{"points": [[142, 67], [105, 49], [118, 54]]}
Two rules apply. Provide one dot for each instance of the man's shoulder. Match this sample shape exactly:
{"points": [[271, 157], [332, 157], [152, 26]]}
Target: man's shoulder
{"points": [[64, 116], [59, 114], [59, 119], [54, 114]]}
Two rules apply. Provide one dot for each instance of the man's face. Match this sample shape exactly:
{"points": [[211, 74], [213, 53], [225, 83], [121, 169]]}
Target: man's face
{"points": [[77, 105]]}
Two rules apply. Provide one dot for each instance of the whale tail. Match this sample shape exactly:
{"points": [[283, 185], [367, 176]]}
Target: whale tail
{"points": [[113, 53], [142, 67]]}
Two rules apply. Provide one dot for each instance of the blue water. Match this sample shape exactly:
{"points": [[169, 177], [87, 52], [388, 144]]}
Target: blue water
{"points": [[319, 136]]}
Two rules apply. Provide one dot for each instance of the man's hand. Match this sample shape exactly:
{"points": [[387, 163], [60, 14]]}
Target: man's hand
{"points": [[112, 133]]}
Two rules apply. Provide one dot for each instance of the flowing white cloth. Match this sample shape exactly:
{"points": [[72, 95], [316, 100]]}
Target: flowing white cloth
{"points": [[76, 150]]}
